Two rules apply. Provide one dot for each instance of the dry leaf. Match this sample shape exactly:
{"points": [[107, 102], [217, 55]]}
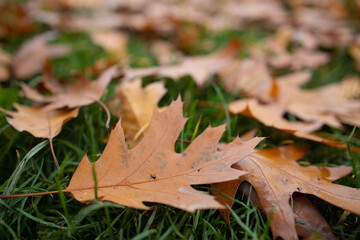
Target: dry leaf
{"points": [[200, 68], [82, 93], [14, 20], [153, 172], [32, 55], [275, 176], [136, 106], [310, 224], [164, 52], [114, 43], [322, 27], [271, 115], [250, 76], [5, 61], [300, 58], [327, 105], [275, 50], [38, 121]]}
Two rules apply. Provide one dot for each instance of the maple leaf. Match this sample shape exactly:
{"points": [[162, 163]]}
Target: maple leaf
{"points": [[153, 172], [275, 176], [135, 106], [82, 93], [32, 55]]}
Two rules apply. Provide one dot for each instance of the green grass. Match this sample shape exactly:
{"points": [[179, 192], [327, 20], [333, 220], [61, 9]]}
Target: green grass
{"points": [[26, 163]]}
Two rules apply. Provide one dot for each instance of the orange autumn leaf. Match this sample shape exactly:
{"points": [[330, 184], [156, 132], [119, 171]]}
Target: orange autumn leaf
{"points": [[310, 224], [276, 176], [82, 93], [135, 106], [271, 115], [38, 121], [153, 172], [328, 105]]}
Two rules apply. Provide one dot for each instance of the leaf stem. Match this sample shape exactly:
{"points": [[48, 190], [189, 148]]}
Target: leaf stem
{"points": [[27, 194], [51, 145], [107, 124], [53, 154]]}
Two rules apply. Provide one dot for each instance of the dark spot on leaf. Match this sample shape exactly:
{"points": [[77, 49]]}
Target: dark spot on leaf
{"points": [[153, 176]]}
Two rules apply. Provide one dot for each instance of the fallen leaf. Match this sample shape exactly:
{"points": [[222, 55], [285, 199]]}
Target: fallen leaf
{"points": [[164, 52], [5, 60], [322, 27], [82, 93], [300, 58], [309, 222], [328, 105], [250, 76], [354, 51], [38, 121], [14, 20], [275, 50], [32, 55], [271, 115], [200, 67], [135, 106], [269, 13], [115, 43], [275, 176], [153, 172]]}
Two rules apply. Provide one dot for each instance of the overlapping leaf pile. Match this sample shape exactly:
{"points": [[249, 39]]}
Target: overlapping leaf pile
{"points": [[265, 77]]}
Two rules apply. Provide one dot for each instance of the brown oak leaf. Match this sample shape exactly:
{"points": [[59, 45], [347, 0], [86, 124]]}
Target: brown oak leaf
{"points": [[271, 115], [153, 172], [135, 106], [38, 121], [198, 67], [82, 93], [276, 176], [32, 55]]}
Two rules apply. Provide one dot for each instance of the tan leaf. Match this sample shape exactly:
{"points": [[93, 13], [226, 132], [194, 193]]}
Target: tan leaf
{"points": [[275, 176], [153, 172], [32, 55], [115, 43], [327, 105], [82, 93], [200, 67], [300, 58], [38, 121], [5, 60], [250, 76], [136, 106], [274, 50], [271, 115]]}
